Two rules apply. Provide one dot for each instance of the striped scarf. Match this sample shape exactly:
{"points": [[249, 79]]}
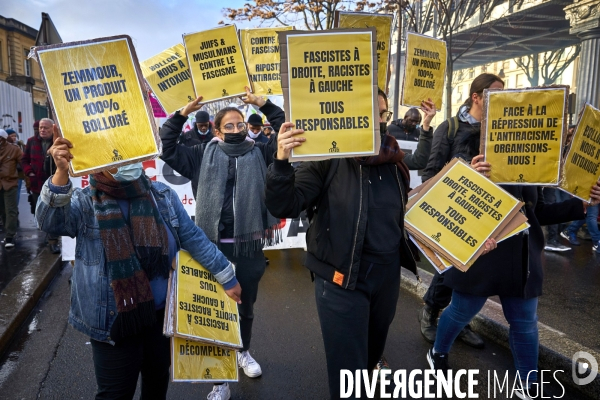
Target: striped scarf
{"points": [[136, 252]]}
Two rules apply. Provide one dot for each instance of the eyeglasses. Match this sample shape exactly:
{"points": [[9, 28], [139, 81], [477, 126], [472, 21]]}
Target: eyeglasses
{"points": [[386, 115], [228, 128]]}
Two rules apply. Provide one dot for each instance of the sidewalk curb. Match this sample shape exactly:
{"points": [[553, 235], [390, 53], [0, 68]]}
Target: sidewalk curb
{"points": [[23, 292], [555, 350]]}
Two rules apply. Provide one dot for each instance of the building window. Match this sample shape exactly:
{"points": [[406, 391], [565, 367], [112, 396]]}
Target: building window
{"points": [[459, 93], [506, 65], [484, 68], [520, 80], [471, 73], [27, 63]]}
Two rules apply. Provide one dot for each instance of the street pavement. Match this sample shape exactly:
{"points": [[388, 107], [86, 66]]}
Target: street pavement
{"points": [[50, 360], [29, 242]]}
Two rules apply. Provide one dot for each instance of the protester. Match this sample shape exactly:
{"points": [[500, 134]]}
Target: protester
{"points": [[255, 129], [513, 272], [10, 157], [455, 137], [200, 133], [38, 166], [13, 138], [230, 205], [355, 242], [554, 195], [407, 128], [119, 283], [267, 130], [591, 221]]}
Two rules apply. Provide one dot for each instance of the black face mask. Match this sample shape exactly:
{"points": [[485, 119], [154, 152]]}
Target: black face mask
{"points": [[382, 128], [235, 138]]}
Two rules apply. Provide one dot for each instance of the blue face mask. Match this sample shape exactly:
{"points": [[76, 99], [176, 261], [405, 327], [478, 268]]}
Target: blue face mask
{"points": [[128, 173]]}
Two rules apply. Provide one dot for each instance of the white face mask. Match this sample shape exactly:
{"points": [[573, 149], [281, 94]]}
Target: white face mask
{"points": [[128, 173], [253, 135]]}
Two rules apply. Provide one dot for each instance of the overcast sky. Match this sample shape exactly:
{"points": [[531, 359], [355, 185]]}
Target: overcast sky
{"points": [[154, 25]]}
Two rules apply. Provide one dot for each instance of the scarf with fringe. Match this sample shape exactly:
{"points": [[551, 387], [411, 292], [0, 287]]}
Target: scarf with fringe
{"points": [[136, 252], [253, 226]]}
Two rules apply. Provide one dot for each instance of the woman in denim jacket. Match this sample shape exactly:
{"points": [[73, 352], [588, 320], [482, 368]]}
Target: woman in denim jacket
{"points": [[128, 231]]}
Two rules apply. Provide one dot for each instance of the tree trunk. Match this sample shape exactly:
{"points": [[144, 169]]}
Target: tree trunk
{"points": [[449, 71], [535, 74]]}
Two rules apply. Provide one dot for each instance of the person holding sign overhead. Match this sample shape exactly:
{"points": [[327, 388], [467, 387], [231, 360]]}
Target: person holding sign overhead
{"points": [[513, 272], [455, 137], [356, 241], [230, 205], [128, 232]]}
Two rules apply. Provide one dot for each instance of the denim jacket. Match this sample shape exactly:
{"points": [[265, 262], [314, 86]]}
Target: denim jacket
{"points": [[93, 308]]}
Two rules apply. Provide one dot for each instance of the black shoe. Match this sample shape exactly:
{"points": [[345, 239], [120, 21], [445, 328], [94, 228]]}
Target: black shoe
{"points": [[438, 361], [428, 318], [471, 338], [55, 248]]}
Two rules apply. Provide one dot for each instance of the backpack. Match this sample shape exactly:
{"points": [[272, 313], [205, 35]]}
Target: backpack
{"points": [[452, 127]]}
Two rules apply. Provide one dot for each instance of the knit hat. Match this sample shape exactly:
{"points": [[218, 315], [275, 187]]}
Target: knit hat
{"points": [[3, 134], [36, 124], [255, 119], [10, 131], [202, 117]]}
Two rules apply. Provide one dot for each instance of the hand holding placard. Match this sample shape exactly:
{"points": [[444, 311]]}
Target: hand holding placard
{"points": [[287, 140]]}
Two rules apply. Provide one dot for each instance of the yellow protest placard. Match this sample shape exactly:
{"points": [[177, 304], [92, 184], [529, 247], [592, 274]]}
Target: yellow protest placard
{"points": [[383, 24], [582, 163], [424, 70], [168, 75], [216, 63], [457, 212], [522, 134], [261, 51], [204, 311], [201, 362], [330, 90], [95, 90]]}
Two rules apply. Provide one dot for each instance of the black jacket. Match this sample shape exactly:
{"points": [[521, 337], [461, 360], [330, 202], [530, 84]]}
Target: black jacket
{"points": [[445, 147], [193, 137], [337, 231], [514, 269], [187, 160], [396, 129]]}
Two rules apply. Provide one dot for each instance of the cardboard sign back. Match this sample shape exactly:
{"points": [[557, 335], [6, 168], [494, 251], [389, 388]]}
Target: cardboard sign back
{"points": [[95, 89]]}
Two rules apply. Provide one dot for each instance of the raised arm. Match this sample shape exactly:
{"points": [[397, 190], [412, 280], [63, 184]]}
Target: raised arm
{"points": [[185, 160], [418, 160]]}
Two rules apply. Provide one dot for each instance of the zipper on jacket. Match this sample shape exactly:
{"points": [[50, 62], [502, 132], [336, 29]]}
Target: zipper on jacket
{"points": [[357, 224]]}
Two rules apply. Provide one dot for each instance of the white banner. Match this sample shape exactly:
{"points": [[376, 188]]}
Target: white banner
{"points": [[409, 147], [293, 230]]}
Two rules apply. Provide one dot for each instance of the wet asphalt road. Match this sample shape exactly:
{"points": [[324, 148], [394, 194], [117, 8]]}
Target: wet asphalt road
{"points": [[52, 361], [29, 241]]}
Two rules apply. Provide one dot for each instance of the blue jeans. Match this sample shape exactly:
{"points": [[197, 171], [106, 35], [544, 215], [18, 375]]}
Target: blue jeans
{"points": [[591, 218], [521, 315]]}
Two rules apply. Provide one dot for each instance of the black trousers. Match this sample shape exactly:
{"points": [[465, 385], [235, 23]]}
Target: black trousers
{"points": [[355, 323], [118, 367], [248, 271], [438, 295]]}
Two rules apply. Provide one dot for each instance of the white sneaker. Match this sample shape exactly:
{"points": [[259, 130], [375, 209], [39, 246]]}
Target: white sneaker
{"points": [[220, 392], [248, 364]]}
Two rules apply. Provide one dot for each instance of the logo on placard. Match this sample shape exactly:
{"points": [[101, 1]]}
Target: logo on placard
{"points": [[117, 156], [207, 375], [520, 178], [575, 190], [269, 91], [225, 93], [437, 237], [334, 149]]}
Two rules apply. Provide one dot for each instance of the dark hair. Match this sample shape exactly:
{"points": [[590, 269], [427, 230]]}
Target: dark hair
{"points": [[483, 81], [221, 114], [382, 94], [413, 111]]}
